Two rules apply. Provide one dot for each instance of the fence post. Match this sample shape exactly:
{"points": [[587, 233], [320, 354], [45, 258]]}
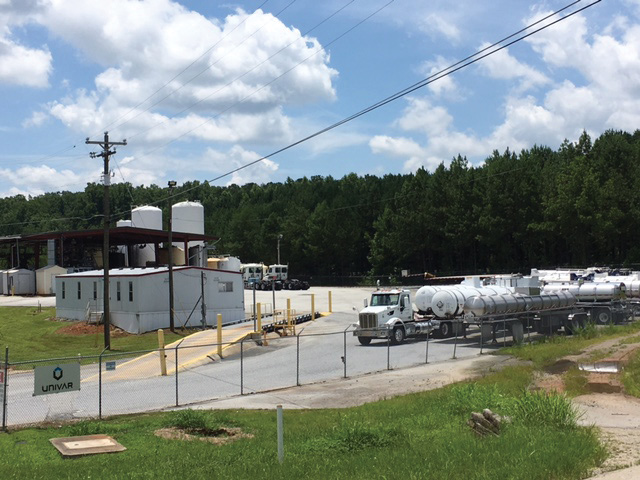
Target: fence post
{"points": [[242, 367], [219, 335], [100, 384], [5, 380], [388, 353], [330, 303], [288, 312], [298, 358], [455, 340], [177, 368], [426, 355], [163, 357], [504, 332], [344, 358], [481, 336]]}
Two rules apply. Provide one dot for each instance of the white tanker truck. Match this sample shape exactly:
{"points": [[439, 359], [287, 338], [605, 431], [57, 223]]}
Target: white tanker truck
{"points": [[511, 299]]}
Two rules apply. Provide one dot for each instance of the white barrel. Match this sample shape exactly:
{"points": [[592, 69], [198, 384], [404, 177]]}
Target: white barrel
{"points": [[145, 217], [424, 295], [632, 283], [505, 304], [188, 217], [123, 248], [590, 292]]}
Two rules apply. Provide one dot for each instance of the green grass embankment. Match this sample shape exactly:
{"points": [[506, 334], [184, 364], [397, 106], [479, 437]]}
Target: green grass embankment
{"points": [[422, 435], [33, 335]]}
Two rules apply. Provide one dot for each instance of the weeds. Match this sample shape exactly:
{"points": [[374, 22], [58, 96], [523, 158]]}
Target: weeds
{"points": [[545, 409]]}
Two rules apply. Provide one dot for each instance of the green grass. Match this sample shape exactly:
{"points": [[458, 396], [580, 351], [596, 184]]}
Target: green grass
{"points": [[31, 335], [416, 436], [549, 349], [631, 375]]}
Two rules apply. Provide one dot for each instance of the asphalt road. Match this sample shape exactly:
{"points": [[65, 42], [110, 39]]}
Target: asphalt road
{"points": [[316, 355]]}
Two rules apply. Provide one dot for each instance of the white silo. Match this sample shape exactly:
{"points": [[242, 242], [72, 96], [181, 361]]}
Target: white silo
{"points": [[188, 217], [123, 249], [145, 217]]}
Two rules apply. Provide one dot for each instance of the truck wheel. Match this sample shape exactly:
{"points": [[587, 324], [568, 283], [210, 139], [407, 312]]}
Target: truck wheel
{"points": [[602, 315], [397, 336], [445, 330], [364, 340]]}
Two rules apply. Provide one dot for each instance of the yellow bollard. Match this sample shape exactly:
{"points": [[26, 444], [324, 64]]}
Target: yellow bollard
{"points": [[220, 335], [313, 306], [259, 316], [330, 304], [289, 311], [163, 357]]}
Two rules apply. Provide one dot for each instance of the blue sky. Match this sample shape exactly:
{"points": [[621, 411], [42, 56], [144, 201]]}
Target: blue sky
{"points": [[201, 88]]}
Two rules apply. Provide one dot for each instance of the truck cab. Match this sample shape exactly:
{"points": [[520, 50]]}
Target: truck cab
{"points": [[387, 316]]}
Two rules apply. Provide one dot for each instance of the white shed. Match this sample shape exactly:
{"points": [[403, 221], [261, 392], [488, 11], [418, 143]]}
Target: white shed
{"points": [[46, 279], [20, 281], [139, 297], [3, 282]]}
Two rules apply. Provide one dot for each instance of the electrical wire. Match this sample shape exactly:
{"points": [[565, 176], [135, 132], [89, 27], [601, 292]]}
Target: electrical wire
{"points": [[428, 80]]}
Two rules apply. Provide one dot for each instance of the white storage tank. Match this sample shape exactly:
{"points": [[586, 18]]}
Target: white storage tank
{"points": [[145, 217], [3, 282], [188, 217], [123, 248], [21, 282]]}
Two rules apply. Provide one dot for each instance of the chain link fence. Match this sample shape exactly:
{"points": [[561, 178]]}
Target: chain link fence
{"points": [[143, 381]]}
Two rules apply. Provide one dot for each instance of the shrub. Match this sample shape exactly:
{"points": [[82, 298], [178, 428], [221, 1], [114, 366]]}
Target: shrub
{"points": [[189, 419]]}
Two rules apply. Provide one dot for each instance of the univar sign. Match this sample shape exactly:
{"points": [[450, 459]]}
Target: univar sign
{"points": [[56, 379]]}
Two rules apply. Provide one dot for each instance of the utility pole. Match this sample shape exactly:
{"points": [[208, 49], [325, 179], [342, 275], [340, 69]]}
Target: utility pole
{"points": [[171, 184], [106, 179], [279, 238]]}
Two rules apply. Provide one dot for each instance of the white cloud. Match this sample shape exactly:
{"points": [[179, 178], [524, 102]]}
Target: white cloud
{"points": [[502, 65], [218, 162], [142, 44], [35, 180], [435, 23], [36, 119], [604, 93], [443, 85], [24, 66]]}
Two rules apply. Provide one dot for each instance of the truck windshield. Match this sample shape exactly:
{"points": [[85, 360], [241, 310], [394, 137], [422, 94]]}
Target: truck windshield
{"points": [[384, 299]]}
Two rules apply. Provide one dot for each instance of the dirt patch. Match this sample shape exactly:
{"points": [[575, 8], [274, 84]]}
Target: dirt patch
{"points": [[561, 366], [220, 436], [83, 328]]}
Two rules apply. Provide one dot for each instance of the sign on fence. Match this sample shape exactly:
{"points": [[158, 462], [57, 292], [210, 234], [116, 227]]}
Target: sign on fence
{"points": [[111, 366], [56, 379]]}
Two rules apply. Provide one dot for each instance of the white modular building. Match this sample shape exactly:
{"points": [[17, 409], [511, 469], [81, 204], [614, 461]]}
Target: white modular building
{"points": [[46, 279], [20, 281], [139, 297]]}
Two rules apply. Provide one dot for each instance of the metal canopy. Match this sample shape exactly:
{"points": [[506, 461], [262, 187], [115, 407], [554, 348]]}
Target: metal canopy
{"points": [[117, 236]]}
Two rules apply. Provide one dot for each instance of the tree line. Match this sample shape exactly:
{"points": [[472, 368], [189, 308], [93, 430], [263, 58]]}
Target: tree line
{"points": [[577, 205]]}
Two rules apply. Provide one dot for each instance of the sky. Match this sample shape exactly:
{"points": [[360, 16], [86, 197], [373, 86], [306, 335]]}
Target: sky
{"points": [[200, 89]]}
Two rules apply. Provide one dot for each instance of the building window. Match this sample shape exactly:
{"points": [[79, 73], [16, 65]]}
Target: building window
{"points": [[79, 290], [118, 291], [131, 291], [63, 291], [95, 290], [225, 286]]}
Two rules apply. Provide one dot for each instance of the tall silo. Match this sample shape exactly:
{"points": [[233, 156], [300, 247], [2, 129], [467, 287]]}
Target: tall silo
{"points": [[188, 217], [123, 249], [145, 217]]}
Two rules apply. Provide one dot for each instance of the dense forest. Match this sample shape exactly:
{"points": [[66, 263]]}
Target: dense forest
{"points": [[578, 205]]}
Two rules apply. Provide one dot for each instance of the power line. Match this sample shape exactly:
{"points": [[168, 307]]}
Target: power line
{"points": [[428, 80]]}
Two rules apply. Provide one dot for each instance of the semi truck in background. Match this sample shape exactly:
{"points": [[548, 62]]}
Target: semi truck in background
{"points": [[270, 277]]}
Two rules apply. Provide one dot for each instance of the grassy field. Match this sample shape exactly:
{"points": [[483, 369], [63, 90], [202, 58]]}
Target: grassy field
{"points": [[32, 335], [421, 435], [546, 351]]}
